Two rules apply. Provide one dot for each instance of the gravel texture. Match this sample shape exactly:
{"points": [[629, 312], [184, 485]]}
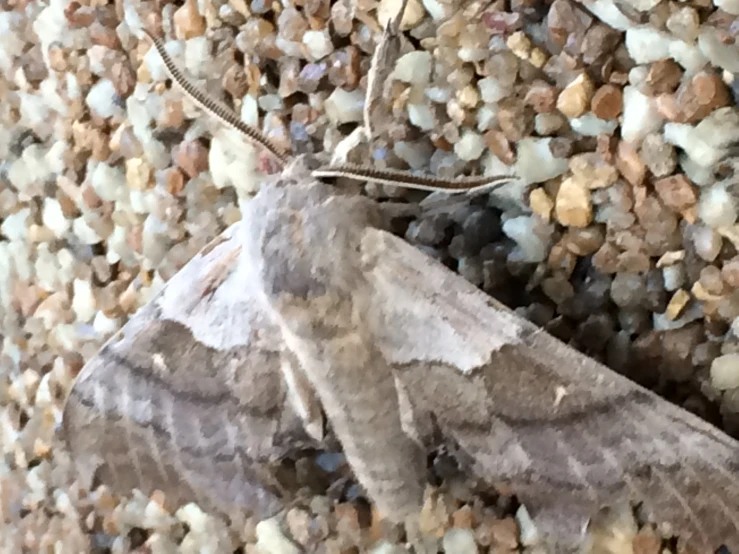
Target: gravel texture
{"points": [[620, 236]]}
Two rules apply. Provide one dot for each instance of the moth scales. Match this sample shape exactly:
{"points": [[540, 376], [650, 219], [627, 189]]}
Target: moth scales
{"points": [[308, 319]]}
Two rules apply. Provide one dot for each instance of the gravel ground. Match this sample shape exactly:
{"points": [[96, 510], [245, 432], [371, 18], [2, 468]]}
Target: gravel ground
{"points": [[619, 237]]}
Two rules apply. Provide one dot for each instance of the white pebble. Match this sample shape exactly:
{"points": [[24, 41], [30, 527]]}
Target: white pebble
{"points": [[84, 232], [610, 14], [721, 54], [270, 539], [725, 372], [591, 125], [345, 107], [529, 535], [470, 146], [104, 325], [535, 162], [102, 99], [707, 243], [83, 301], [318, 44], [414, 68], [53, 217], [729, 6], [493, 90], [14, 226], [640, 116], [531, 235], [421, 116], [716, 206], [459, 541], [646, 44]]}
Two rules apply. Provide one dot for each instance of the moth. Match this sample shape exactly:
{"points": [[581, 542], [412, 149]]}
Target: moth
{"points": [[309, 320]]}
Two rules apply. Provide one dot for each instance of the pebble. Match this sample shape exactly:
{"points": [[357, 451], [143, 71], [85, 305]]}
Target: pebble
{"points": [[725, 372], [470, 146], [536, 163], [572, 206], [413, 68], [659, 156], [607, 102], [541, 204], [575, 99], [677, 192], [345, 107], [630, 164], [532, 236], [459, 541], [640, 115], [716, 207]]}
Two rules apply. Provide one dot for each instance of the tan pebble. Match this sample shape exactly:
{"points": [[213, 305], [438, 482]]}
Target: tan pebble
{"points": [[663, 77], [677, 304], [592, 170], [670, 258], [139, 174], [412, 16], [541, 204], [519, 44], [575, 99], [572, 205], [677, 192], [630, 164], [538, 58], [504, 533], [192, 157], [607, 102], [464, 518], [434, 518], [188, 23], [699, 291]]}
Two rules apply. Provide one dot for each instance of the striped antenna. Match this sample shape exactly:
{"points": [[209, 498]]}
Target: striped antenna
{"points": [[216, 108], [406, 179]]}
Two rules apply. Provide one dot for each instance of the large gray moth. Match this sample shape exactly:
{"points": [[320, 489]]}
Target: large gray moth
{"points": [[308, 319]]}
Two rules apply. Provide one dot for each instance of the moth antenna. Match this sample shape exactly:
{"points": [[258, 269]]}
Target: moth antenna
{"points": [[381, 66], [214, 107], [406, 179]]}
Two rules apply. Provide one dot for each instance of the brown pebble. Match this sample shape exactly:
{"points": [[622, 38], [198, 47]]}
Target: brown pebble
{"points": [[646, 541], [698, 97], [677, 192], [464, 518], [192, 157], [630, 164], [663, 77], [730, 272], [498, 144], [501, 534], [607, 102], [542, 97]]}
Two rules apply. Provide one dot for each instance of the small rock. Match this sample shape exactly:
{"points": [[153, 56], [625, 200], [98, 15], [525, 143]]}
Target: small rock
{"points": [[592, 170], [699, 96], [541, 204], [414, 68], [572, 205], [677, 304], [684, 23], [671, 257], [725, 372], [607, 102], [716, 207], [412, 16], [542, 97], [677, 192], [640, 115], [188, 23], [663, 77], [459, 541], [660, 157], [536, 163], [630, 164], [271, 540], [345, 107], [318, 44], [575, 99], [532, 235], [498, 144], [470, 146]]}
